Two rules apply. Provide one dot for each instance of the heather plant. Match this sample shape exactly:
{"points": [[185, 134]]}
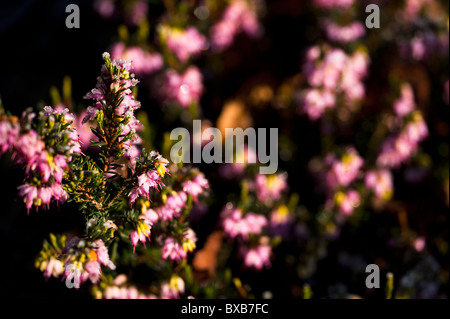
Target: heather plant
{"points": [[114, 187], [361, 152]]}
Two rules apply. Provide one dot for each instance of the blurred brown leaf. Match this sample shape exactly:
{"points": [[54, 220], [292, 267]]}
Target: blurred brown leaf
{"points": [[205, 260]]}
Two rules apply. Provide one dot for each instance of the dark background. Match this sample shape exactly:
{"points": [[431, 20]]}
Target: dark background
{"points": [[38, 51]]}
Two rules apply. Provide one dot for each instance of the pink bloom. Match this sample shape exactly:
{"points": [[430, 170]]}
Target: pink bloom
{"points": [[348, 201], [29, 145], [316, 102], [238, 17], [344, 34], [347, 169], [405, 104], [94, 270], [151, 217], [105, 8], [45, 195], [419, 244], [258, 257], [330, 4], [173, 250], [145, 181], [380, 182], [54, 268], [9, 133], [102, 253], [270, 187], [196, 186], [235, 225], [232, 223], [135, 239], [59, 194], [255, 222], [144, 62], [184, 89], [29, 194], [331, 73], [398, 149], [184, 43]]}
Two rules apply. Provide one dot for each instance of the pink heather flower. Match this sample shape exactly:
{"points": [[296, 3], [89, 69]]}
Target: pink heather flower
{"points": [[405, 104], [184, 89], [196, 186], [269, 188], [344, 34], [151, 217], [45, 196], [54, 268], [419, 244], [316, 102], [29, 145], [398, 149], [238, 17], [380, 182], [114, 292], [9, 133], [233, 224], [173, 288], [59, 194], [75, 143], [330, 4], [184, 43], [173, 250], [255, 222], [144, 63], [416, 131], [145, 181], [102, 254], [330, 73], [258, 257], [173, 207], [94, 270], [105, 8], [347, 201], [29, 194], [345, 171], [135, 239]]}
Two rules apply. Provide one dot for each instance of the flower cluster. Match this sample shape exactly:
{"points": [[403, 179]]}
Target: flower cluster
{"points": [[117, 79], [329, 4], [260, 216], [84, 260], [340, 176], [43, 144], [331, 73], [399, 148], [77, 260], [239, 16], [343, 34], [115, 185], [235, 225], [183, 43], [144, 63], [183, 89]]}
